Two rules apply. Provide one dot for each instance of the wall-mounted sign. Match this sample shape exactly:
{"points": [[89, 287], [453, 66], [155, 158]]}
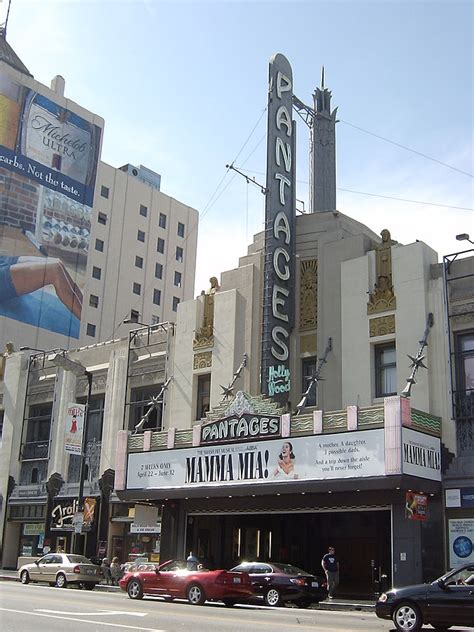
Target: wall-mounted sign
{"points": [[241, 428], [66, 509], [73, 428], [461, 541], [35, 528], [138, 528], [278, 290], [421, 454], [344, 455], [415, 506]]}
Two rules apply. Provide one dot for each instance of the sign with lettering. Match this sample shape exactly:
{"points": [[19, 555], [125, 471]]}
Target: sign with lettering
{"points": [[244, 427], [73, 428], [344, 455], [64, 514], [461, 541], [421, 454], [280, 203]]}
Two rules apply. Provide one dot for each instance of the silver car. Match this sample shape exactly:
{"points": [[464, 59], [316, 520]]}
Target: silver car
{"points": [[61, 569]]}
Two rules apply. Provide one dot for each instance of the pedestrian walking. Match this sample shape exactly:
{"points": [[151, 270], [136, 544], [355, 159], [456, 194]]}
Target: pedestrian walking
{"points": [[331, 568]]}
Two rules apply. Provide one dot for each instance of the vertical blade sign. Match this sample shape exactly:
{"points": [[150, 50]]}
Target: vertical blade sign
{"points": [[278, 293]]}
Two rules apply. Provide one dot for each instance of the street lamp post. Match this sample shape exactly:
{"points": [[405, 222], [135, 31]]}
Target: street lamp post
{"points": [[61, 360]]}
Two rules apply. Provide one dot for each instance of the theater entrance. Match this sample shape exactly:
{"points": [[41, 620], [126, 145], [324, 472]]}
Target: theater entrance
{"points": [[362, 539]]}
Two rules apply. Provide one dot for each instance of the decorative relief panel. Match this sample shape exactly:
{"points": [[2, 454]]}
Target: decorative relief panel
{"points": [[202, 360], [382, 326], [308, 294], [382, 297]]}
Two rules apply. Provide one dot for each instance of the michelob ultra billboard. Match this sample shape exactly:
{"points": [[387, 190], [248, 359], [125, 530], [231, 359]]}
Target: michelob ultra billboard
{"points": [[48, 165]]}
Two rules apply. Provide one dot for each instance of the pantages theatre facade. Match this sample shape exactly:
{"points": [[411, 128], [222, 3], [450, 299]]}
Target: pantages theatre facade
{"points": [[354, 464]]}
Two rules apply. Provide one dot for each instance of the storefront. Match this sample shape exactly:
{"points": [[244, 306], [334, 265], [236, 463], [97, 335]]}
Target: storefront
{"points": [[130, 540], [289, 498]]}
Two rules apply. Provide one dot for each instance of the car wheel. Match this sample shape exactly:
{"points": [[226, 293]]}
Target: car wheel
{"points": [[61, 581], [196, 595], [229, 603], [407, 618], [25, 578], [134, 589], [272, 597]]}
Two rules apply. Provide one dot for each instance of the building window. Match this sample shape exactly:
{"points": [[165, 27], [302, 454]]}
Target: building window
{"points": [[176, 302], [160, 246], [162, 220], [177, 279], [179, 253], [464, 367], [102, 218], [99, 245], [203, 395], [143, 210], [139, 262], [157, 297], [140, 404], [155, 319], [104, 191], [158, 270], [134, 315], [140, 235], [90, 330], [96, 272], [93, 300], [180, 229], [137, 288], [385, 370], [309, 366]]}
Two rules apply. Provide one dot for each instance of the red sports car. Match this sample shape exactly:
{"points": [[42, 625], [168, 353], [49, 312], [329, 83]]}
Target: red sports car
{"points": [[172, 580]]}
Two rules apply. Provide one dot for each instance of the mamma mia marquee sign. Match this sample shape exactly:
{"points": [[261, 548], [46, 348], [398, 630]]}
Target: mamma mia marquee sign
{"points": [[343, 455], [278, 293]]}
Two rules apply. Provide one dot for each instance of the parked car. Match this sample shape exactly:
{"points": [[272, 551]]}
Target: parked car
{"points": [[173, 580], [61, 569], [279, 583], [445, 602]]}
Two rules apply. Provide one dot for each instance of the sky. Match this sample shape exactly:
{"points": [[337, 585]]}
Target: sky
{"points": [[182, 87]]}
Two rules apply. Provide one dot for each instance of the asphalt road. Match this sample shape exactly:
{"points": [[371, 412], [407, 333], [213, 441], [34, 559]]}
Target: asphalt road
{"points": [[41, 608]]}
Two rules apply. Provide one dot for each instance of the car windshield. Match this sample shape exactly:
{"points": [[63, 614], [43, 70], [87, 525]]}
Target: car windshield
{"points": [[289, 569], [77, 559], [463, 576], [174, 565]]}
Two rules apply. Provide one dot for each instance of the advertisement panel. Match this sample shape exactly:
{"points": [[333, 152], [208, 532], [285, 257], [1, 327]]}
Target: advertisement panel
{"points": [[48, 165], [421, 454], [416, 506], [280, 204], [461, 541], [73, 428], [354, 455]]}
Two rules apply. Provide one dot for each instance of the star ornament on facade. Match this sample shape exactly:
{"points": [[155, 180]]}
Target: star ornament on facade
{"points": [[227, 392], [417, 362]]}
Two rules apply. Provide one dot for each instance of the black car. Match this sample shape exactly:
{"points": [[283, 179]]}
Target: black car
{"points": [[280, 583], [445, 602]]}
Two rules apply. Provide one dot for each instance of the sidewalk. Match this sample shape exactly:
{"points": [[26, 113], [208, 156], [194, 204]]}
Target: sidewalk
{"points": [[334, 604]]}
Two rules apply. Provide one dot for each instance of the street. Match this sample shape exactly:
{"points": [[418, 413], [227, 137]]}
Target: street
{"points": [[38, 607]]}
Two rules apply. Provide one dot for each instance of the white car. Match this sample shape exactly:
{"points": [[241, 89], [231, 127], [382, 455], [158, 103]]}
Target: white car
{"points": [[61, 569]]}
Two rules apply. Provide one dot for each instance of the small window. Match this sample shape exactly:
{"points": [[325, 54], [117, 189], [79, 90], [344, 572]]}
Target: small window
{"points": [[99, 245], [102, 218], [385, 370], [90, 330], [176, 302], [155, 319], [180, 229], [143, 210], [96, 272], [134, 315], [162, 220], [137, 288], [93, 300], [158, 270], [177, 279], [179, 253], [160, 246], [139, 262], [156, 297], [140, 235], [203, 395], [104, 191]]}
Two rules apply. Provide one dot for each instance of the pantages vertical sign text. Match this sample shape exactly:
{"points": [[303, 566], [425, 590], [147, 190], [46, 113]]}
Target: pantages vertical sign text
{"points": [[278, 300]]}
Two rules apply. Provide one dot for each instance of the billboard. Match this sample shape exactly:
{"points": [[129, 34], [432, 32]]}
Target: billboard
{"points": [[48, 166], [279, 282], [461, 541], [336, 456]]}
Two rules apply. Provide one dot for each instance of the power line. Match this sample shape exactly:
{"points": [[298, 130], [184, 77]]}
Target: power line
{"points": [[413, 151]]}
